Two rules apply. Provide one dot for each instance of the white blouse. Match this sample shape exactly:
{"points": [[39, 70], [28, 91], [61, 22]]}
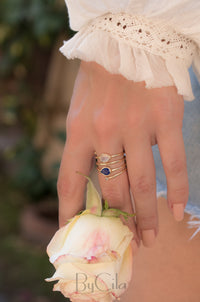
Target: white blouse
{"points": [[155, 41]]}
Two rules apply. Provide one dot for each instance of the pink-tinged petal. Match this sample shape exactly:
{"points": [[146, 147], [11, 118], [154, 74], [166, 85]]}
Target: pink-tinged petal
{"points": [[92, 236], [68, 258], [124, 243], [125, 272], [102, 297], [114, 276], [58, 240], [94, 249], [69, 271], [127, 265], [82, 287], [69, 291]]}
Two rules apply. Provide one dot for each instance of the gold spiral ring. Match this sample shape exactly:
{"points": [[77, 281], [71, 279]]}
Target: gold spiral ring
{"points": [[107, 166]]}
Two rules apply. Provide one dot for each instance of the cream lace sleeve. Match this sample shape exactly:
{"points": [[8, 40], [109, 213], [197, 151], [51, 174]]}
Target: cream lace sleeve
{"points": [[139, 48]]}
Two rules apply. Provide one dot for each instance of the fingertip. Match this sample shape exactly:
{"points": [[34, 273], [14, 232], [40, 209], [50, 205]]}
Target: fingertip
{"points": [[148, 237]]}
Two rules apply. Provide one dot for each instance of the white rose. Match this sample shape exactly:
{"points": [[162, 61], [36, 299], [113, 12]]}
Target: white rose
{"points": [[92, 254]]}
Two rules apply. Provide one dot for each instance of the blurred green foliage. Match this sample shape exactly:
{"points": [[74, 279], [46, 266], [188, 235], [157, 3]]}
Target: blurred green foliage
{"points": [[28, 32], [23, 265], [25, 25], [29, 176]]}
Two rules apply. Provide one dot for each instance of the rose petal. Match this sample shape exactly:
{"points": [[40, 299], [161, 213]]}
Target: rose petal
{"points": [[68, 258], [69, 271], [64, 287], [93, 199], [113, 276], [125, 272], [58, 240], [108, 234]]}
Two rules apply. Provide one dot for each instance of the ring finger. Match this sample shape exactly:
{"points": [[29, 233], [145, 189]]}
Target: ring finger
{"points": [[116, 190]]}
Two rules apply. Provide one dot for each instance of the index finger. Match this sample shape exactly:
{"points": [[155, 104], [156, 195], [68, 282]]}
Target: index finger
{"points": [[71, 185]]}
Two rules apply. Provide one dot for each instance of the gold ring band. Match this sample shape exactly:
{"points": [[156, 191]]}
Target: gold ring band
{"points": [[112, 176], [105, 157], [104, 164], [111, 170], [110, 162]]}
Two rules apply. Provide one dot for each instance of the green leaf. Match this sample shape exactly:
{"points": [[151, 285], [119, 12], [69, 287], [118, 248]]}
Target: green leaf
{"points": [[93, 200]]}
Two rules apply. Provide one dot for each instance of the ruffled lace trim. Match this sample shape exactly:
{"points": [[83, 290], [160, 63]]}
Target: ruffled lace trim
{"points": [[137, 48], [196, 64]]}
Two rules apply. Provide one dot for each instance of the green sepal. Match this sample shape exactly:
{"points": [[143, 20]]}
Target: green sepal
{"points": [[94, 204], [116, 213]]}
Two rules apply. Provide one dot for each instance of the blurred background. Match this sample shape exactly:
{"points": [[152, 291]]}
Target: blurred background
{"points": [[36, 84]]}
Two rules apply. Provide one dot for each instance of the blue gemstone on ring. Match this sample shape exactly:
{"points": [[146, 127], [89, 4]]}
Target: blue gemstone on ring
{"points": [[105, 171]]}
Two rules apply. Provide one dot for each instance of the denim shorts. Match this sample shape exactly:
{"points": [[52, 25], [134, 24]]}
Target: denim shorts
{"points": [[191, 136]]}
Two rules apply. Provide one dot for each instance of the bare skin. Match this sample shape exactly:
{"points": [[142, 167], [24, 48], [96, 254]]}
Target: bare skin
{"points": [[108, 113], [169, 271]]}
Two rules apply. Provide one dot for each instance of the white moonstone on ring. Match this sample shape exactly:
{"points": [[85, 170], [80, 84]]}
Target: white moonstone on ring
{"points": [[106, 164], [104, 157]]}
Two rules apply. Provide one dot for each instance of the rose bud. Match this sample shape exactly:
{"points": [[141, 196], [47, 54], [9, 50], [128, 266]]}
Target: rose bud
{"points": [[92, 254]]}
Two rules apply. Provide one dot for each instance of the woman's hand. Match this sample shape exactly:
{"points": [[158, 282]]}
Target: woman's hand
{"points": [[109, 114]]}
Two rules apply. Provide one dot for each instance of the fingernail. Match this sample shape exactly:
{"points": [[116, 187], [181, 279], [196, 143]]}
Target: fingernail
{"points": [[178, 211], [148, 237]]}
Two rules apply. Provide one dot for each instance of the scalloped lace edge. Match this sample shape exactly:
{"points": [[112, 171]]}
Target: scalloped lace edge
{"points": [[133, 63]]}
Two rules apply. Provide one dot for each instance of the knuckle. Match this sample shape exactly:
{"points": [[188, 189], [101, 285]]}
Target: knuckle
{"points": [[74, 129], [72, 124], [176, 166], [182, 191], [105, 124], [148, 221], [164, 107], [65, 188], [135, 119], [165, 120], [169, 116], [143, 185]]}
